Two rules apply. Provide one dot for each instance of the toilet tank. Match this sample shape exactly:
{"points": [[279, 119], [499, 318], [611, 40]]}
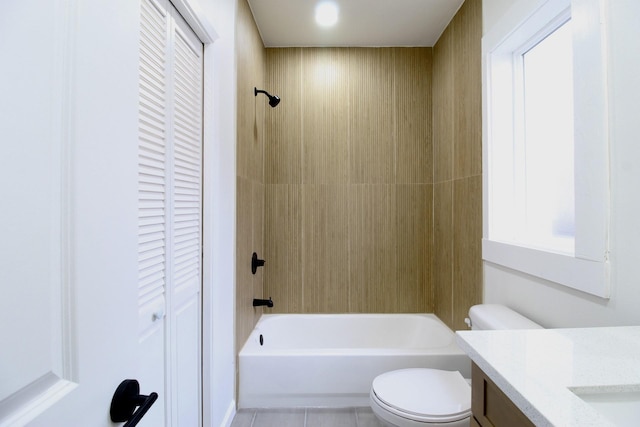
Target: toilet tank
{"points": [[496, 316]]}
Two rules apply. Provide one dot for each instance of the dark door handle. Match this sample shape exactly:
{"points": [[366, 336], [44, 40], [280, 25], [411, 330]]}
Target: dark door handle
{"points": [[125, 401]]}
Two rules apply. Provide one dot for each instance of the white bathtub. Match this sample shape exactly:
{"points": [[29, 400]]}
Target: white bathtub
{"points": [[330, 360]]}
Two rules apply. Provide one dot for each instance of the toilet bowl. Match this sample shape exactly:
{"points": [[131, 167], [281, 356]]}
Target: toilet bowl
{"points": [[423, 397]]}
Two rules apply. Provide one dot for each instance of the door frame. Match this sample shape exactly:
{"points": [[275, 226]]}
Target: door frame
{"points": [[218, 217]]}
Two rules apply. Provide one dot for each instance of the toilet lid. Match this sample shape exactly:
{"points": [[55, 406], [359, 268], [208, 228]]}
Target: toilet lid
{"points": [[429, 395]]}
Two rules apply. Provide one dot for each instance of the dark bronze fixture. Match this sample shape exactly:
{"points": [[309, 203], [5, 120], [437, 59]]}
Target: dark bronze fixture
{"points": [[263, 302], [255, 263], [273, 99]]}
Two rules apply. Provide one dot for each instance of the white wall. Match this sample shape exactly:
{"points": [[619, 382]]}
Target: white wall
{"points": [[220, 213], [556, 306]]}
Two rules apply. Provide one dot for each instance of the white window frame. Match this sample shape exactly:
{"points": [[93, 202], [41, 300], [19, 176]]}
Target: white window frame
{"points": [[587, 269]]}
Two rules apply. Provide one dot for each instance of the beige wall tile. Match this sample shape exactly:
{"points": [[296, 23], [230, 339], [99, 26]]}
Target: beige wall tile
{"points": [[248, 239], [283, 124], [467, 247], [443, 250], [467, 26], [443, 128], [371, 118], [283, 247], [415, 247], [325, 116], [250, 137], [244, 289], [412, 109], [257, 244], [249, 170], [373, 248], [251, 70], [349, 136], [325, 256], [457, 166]]}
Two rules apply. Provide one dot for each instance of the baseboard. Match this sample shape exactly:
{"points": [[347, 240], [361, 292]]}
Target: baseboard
{"points": [[228, 416]]}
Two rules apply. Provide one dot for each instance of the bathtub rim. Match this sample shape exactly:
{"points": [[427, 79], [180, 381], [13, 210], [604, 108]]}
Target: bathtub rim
{"points": [[249, 347]]}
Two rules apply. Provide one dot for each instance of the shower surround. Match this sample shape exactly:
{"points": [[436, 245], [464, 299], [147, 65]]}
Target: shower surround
{"points": [[362, 189], [348, 180]]}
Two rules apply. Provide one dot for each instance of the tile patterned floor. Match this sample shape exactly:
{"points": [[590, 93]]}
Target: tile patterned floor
{"points": [[309, 417]]}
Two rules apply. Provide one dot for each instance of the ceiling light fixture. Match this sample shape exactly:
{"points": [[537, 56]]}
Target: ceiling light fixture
{"points": [[327, 13]]}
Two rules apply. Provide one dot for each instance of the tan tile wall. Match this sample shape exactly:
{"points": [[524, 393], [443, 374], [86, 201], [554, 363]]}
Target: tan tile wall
{"points": [[348, 176], [457, 142], [250, 175]]}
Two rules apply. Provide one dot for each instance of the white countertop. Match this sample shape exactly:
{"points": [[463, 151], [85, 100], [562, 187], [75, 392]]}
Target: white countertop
{"points": [[537, 369]]}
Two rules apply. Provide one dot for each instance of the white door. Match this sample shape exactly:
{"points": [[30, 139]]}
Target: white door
{"points": [[170, 206], [68, 209]]}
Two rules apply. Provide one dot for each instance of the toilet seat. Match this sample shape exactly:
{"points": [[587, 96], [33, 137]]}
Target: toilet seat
{"points": [[423, 395]]}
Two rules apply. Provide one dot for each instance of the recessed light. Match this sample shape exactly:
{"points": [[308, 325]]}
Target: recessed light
{"points": [[327, 13]]}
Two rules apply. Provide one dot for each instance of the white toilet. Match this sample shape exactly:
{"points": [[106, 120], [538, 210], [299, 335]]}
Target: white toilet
{"points": [[424, 397]]}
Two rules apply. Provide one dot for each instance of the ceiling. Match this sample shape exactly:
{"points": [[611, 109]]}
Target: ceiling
{"points": [[288, 23]]}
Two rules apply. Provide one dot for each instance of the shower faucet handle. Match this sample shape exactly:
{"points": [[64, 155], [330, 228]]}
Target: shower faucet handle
{"points": [[255, 263]]}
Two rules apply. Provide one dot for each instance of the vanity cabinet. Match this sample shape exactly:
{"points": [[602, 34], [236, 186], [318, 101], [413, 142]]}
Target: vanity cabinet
{"points": [[490, 406]]}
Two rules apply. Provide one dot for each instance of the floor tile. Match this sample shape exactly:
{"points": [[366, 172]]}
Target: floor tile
{"points": [[310, 417], [279, 418], [331, 417], [366, 418], [243, 418]]}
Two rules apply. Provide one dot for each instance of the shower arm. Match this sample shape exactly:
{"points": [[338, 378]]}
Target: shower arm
{"points": [[273, 99]]}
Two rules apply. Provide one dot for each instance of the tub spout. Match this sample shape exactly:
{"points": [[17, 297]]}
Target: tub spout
{"points": [[261, 302]]}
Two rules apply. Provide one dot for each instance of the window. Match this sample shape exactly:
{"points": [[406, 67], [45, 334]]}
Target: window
{"points": [[542, 162], [545, 143]]}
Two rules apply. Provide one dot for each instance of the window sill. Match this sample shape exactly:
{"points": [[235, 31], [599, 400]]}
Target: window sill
{"points": [[584, 275]]}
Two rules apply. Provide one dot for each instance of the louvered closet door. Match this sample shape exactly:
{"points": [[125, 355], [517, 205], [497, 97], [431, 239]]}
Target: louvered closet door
{"points": [[186, 253], [170, 187]]}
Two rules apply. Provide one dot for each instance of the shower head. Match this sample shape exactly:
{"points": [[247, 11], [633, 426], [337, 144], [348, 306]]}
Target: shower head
{"points": [[273, 99]]}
